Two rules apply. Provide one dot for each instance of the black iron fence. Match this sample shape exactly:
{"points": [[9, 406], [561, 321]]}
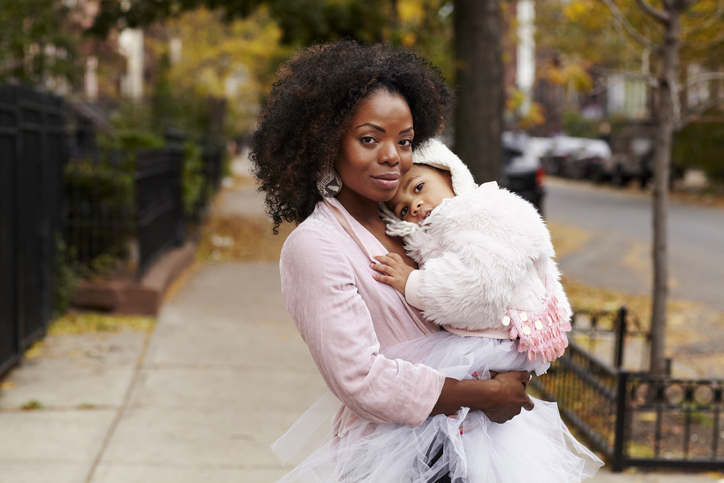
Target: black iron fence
{"points": [[160, 222], [99, 208], [635, 419], [60, 191], [33, 151]]}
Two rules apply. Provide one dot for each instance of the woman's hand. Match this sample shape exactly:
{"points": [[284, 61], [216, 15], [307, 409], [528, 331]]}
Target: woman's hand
{"points": [[500, 398]]}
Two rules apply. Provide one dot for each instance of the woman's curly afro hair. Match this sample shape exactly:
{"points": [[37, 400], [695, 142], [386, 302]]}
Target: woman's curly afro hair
{"points": [[311, 105]]}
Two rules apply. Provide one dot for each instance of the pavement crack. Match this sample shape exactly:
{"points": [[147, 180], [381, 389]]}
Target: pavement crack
{"points": [[122, 409]]}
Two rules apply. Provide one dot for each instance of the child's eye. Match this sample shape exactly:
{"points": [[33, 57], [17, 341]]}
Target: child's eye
{"points": [[403, 212], [418, 187]]}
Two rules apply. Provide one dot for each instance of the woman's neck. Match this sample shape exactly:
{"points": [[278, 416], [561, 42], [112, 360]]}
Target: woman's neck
{"points": [[364, 210]]}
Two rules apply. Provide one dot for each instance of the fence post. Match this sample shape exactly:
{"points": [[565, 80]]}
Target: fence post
{"points": [[620, 336], [619, 459]]}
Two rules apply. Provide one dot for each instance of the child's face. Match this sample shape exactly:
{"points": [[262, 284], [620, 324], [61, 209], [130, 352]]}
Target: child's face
{"points": [[419, 192]]}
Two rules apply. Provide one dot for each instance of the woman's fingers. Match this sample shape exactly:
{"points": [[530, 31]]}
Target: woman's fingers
{"points": [[525, 377]]}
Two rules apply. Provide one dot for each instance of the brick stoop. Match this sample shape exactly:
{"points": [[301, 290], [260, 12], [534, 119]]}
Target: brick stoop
{"points": [[126, 296]]}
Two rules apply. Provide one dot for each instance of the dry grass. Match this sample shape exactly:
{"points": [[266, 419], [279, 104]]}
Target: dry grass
{"points": [[240, 239], [93, 322], [692, 329]]}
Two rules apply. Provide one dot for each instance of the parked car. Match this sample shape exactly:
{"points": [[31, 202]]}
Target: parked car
{"points": [[632, 149], [523, 171], [576, 158]]}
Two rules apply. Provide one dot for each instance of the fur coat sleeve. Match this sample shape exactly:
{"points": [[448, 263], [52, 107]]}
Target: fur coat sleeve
{"points": [[480, 253]]}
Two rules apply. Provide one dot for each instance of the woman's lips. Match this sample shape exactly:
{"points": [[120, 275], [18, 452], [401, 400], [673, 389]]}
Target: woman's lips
{"points": [[387, 180]]}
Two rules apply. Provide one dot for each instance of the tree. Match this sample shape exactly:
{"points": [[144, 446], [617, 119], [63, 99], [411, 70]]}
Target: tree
{"points": [[301, 21], [233, 60], [480, 89], [665, 42], [424, 24], [36, 44]]}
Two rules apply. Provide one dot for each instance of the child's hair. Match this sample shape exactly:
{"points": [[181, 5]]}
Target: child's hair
{"points": [[311, 105]]}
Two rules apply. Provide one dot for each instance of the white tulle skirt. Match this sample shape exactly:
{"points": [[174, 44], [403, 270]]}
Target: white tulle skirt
{"points": [[534, 446]]}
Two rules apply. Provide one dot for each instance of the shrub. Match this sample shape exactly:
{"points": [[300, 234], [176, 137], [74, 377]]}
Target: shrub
{"points": [[701, 145]]}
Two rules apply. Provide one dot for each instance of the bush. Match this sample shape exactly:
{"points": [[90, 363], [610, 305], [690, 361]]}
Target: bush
{"points": [[100, 212], [575, 125], [700, 145], [193, 181]]}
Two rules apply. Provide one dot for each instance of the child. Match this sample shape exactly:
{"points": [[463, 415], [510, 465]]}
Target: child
{"points": [[485, 256]]}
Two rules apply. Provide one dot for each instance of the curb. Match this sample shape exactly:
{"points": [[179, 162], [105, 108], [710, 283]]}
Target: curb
{"points": [[142, 297]]}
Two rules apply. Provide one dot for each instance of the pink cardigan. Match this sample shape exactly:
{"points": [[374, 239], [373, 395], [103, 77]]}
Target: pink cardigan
{"points": [[346, 318]]}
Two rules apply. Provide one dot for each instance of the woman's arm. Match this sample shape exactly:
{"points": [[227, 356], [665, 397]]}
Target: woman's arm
{"points": [[321, 294], [500, 398]]}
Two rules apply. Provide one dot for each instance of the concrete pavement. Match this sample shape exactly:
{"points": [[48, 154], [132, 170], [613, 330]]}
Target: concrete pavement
{"points": [[200, 399]]}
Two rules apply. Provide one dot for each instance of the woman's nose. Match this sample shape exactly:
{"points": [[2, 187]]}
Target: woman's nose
{"points": [[388, 154]]}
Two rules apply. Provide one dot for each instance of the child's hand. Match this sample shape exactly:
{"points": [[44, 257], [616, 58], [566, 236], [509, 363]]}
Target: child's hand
{"points": [[393, 271]]}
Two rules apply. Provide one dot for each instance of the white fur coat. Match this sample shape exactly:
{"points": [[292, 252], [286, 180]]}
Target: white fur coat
{"points": [[481, 253]]}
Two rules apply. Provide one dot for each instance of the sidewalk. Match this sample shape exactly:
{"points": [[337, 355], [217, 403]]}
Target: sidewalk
{"points": [[200, 399]]}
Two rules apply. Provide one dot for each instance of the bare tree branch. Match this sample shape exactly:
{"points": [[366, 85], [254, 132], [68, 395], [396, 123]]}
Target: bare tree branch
{"points": [[704, 45], [695, 114], [622, 21], [684, 4], [645, 67], [645, 76], [708, 22], [675, 101], [699, 78], [657, 14]]}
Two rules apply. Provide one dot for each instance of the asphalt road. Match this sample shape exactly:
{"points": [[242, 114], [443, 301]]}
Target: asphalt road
{"points": [[618, 253]]}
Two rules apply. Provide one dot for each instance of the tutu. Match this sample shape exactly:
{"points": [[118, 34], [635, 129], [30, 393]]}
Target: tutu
{"points": [[533, 446]]}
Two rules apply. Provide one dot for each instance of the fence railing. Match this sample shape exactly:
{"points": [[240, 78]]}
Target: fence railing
{"points": [[160, 223], [33, 150], [99, 207], [98, 204], [112, 207], [636, 419]]}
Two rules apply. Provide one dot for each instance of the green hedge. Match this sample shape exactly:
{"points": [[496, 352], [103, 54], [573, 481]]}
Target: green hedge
{"points": [[701, 145], [100, 212]]}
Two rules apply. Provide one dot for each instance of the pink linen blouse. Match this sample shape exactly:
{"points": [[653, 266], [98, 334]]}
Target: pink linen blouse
{"points": [[346, 318]]}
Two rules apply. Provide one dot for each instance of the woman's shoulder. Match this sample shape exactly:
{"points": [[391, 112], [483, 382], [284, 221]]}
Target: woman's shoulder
{"points": [[313, 235]]}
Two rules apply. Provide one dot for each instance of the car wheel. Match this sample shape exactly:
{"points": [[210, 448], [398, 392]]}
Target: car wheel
{"points": [[617, 178], [597, 175]]}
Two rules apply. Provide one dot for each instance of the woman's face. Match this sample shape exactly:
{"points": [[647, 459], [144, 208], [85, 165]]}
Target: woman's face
{"points": [[376, 150]]}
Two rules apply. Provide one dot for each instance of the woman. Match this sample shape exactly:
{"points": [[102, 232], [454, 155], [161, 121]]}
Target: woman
{"points": [[342, 121]]}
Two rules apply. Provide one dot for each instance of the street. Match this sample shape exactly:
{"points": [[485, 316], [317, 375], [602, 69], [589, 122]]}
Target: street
{"points": [[618, 251]]}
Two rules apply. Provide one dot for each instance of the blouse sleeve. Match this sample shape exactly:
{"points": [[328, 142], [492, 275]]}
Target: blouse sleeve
{"points": [[319, 290]]}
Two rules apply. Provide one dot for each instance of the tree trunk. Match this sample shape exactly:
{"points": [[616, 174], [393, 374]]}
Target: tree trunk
{"points": [[480, 90], [662, 167]]}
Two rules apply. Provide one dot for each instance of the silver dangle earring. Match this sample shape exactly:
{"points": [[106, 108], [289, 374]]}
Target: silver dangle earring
{"points": [[329, 184]]}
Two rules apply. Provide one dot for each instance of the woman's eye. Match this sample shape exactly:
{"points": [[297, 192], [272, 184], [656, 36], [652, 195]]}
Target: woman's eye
{"points": [[367, 140], [406, 142], [403, 212], [418, 187]]}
